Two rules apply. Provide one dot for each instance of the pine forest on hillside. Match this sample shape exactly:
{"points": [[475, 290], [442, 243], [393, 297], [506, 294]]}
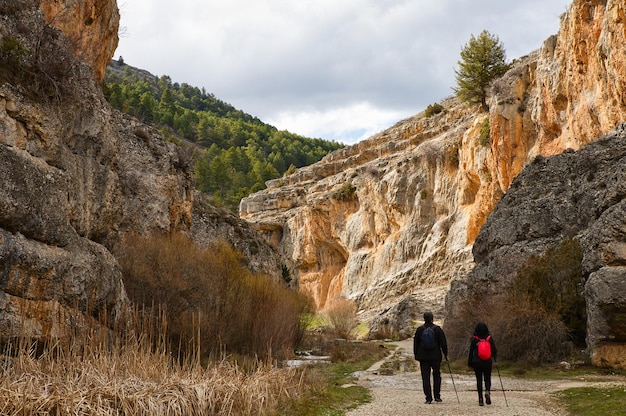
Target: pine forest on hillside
{"points": [[236, 153]]}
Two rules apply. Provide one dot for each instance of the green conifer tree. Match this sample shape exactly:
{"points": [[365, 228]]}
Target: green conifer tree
{"points": [[483, 59]]}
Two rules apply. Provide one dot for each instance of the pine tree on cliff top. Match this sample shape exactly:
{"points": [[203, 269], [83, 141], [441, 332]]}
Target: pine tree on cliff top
{"points": [[483, 59]]}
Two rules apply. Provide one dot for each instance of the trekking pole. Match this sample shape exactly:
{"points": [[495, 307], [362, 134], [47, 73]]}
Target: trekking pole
{"points": [[502, 385], [454, 385]]}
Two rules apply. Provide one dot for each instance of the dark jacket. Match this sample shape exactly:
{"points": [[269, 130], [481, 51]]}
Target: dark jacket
{"points": [[435, 354], [473, 360]]}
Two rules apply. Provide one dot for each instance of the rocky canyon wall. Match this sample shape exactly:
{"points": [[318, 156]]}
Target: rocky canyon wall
{"points": [[74, 174], [391, 221], [379, 221], [75, 177]]}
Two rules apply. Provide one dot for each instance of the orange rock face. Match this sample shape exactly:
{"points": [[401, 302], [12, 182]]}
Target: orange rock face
{"points": [[560, 97], [580, 77], [90, 25]]}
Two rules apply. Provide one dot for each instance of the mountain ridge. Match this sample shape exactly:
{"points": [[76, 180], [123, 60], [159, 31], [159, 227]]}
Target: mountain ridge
{"points": [[234, 152]]}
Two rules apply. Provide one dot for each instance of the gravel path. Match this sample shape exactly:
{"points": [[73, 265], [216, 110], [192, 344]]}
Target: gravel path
{"points": [[399, 392]]}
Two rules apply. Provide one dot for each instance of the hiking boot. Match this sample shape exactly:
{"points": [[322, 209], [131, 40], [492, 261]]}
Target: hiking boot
{"points": [[438, 399], [488, 398], [480, 402], [428, 401]]}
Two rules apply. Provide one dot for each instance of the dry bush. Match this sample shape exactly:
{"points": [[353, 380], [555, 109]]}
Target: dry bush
{"points": [[529, 333], [553, 281], [342, 317], [385, 331], [209, 294], [539, 318], [341, 350], [460, 329], [345, 351], [522, 331]]}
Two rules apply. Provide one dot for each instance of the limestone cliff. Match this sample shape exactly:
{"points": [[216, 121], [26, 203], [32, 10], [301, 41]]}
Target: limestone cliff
{"points": [[75, 176], [391, 221]]}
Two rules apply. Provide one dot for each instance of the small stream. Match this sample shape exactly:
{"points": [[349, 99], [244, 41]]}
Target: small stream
{"points": [[306, 358]]}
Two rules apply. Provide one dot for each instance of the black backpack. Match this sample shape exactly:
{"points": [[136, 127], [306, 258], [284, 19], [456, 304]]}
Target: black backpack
{"points": [[428, 339]]}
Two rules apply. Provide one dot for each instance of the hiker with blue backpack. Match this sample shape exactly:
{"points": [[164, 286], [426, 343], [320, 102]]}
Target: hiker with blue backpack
{"points": [[482, 353], [428, 344]]}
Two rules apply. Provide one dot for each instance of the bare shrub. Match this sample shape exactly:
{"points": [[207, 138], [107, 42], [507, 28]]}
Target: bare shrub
{"points": [[539, 318], [460, 330], [142, 134], [531, 334], [553, 282], [208, 294], [346, 351], [385, 331], [522, 331], [342, 317]]}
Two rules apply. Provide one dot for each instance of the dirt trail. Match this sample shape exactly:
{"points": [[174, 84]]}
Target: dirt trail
{"points": [[400, 393]]}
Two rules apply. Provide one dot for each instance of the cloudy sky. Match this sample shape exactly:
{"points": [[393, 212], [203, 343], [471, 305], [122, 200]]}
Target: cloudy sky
{"points": [[336, 69]]}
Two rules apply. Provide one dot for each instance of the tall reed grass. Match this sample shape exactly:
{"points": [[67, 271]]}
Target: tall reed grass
{"points": [[135, 375]]}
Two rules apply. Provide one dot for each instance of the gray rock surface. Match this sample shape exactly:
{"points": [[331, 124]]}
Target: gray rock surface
{"points": [[577, 195]]}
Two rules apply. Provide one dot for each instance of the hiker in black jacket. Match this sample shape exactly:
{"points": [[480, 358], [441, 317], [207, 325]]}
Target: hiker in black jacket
{"points": [[428, 344], [482, 366]]}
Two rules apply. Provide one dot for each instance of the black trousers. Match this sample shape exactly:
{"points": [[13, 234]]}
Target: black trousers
{"points": [[483, 372], [426, 366]]}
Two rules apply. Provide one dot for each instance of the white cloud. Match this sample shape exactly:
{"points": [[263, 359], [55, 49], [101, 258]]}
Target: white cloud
{"points": [[348, 124], [325, 68]]}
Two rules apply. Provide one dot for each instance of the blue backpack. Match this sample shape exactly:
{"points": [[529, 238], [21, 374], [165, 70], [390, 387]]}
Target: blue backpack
{"points": [[428, 339]]}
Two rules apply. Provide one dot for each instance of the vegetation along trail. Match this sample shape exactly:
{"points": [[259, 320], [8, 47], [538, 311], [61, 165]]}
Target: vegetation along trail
{"points": [[396, 389]]}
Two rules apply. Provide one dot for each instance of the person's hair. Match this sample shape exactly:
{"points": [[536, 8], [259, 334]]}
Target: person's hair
{"points": [[428, 316], [481, 330]]}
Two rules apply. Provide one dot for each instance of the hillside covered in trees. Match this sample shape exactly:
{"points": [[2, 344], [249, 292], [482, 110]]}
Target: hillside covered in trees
{"points": [[235, 153]]}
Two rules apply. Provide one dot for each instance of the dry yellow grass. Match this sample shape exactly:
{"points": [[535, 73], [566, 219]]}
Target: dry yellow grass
{"points": [[133, 381], [136, 374]]}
